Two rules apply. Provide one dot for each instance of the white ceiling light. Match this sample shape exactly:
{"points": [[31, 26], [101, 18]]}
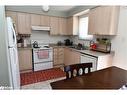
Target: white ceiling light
{"points": [[45, 8]]}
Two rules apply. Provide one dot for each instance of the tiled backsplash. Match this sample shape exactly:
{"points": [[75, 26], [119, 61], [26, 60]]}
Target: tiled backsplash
{"points": [[45, 37]]}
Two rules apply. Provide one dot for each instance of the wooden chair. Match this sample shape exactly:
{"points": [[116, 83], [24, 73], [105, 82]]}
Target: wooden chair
{"points": [[77, 69]]}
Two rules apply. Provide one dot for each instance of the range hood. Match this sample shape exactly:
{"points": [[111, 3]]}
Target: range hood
{"points": [[41, 28]]}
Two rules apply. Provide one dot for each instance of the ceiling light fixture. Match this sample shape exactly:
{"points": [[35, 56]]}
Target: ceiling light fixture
{"points": [[45, 8]]}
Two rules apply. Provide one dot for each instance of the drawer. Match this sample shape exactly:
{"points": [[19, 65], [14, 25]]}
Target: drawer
{"points": [[43, 66]]}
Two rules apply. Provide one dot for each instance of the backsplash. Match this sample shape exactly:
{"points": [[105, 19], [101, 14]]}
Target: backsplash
{"points": [[23, 41], [76, 40], [46, 38]]}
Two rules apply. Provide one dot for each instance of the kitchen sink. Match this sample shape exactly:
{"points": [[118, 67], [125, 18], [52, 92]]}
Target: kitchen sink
{"points": [[79, 48]]}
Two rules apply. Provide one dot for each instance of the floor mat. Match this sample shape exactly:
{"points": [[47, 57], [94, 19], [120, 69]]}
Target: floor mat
{"points": [[43, 75]]}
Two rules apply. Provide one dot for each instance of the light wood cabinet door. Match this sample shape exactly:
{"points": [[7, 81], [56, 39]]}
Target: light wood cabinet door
{"points": [[24, 23], [25, 60], [63, 26], [103, 20], [54, 24], [58, 56], [72, 25], [45, 20], [67, 56], [35, 19], [13, 15], [75, 57], [71, 56]]}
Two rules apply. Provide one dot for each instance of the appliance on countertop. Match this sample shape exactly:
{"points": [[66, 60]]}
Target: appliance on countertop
{"points": [[68, 42], [41, 28], [13, 55], [42, 57], [101, 45]]}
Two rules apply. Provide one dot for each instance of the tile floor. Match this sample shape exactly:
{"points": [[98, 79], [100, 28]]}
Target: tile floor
{"points": [[41, 85]]}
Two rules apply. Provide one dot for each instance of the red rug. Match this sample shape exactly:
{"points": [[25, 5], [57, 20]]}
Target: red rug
{"points": [[38, 76]]}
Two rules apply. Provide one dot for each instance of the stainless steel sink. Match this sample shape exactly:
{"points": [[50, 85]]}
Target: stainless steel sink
{"points": [[79, 48]]}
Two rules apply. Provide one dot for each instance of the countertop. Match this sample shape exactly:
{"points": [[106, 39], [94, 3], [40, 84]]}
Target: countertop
{"points": [[87, 51], [22, 48]]}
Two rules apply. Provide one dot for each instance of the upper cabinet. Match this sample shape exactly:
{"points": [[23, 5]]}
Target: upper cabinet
{"points": [[40, 20], [103, 20], [24, 26], [54, 24], [35, 20], [45, 20], [72, 25], [63, 26], [13, 15]]}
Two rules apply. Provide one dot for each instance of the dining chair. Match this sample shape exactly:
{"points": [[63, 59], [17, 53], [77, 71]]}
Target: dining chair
{"points": [[77, 69]]}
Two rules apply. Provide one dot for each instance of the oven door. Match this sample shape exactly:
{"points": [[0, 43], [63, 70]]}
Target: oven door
{"points": [[42, 55]]}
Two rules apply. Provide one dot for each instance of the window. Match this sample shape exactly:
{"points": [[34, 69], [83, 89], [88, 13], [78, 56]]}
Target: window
{"points": [[83, 28]]}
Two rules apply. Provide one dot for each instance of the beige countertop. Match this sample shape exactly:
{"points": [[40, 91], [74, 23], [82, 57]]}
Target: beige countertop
{"points": [[95, 53], [21, 48], [89, 52]]}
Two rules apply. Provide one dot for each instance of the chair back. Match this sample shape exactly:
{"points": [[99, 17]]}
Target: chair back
{"points": [[77, 69]]}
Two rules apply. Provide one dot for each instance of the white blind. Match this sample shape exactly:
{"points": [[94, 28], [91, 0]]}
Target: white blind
{"points": [[83, 28]]}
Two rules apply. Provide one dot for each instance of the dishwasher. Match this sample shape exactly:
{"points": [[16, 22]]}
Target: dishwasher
{"points": [[85, 58]]}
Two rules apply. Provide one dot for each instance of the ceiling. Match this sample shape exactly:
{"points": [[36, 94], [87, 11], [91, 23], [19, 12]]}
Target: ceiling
{"points": [[62, 11], [62, 8]]}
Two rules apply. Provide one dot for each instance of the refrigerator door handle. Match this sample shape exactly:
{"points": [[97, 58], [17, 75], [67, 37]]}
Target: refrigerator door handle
{"points": [[10, 46], [14, 35]]}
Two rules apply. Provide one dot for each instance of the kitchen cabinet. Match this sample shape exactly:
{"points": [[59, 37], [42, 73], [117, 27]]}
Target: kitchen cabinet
{"points": [[58, 56], [67, 56], [98, 62], [54, 24], [72, 25], [87, 58], [45, 20], [24, 26], [35, 20], [25, 60], [103, 20], [71, 56], [13, 15], [63, 26], [75, 56], [105, 61], [58, 26]]}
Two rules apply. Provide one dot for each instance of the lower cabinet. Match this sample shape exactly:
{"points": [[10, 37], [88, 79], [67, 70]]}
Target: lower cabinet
{"points": [[87, 58], [105, 61], [25, 60], [58, 56], [98, 62], [71, 56]]}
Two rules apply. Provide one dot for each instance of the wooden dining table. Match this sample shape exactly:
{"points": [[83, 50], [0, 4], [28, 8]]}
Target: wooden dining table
{"points": [[108, 78]]}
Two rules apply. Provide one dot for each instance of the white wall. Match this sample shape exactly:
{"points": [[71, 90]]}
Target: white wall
{"points": [[119, 42], [45, 37]]}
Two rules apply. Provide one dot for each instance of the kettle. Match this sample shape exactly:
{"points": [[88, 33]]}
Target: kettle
{"points": [[35, 44]]}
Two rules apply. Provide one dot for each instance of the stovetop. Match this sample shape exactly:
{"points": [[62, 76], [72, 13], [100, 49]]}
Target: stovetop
{"points": [[42, 46]]}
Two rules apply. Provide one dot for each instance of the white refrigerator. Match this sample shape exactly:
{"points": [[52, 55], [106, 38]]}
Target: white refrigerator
{"points": [[13, 55]]}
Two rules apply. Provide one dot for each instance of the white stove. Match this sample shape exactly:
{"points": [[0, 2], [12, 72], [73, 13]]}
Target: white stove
{"points": [[42, 57]]}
